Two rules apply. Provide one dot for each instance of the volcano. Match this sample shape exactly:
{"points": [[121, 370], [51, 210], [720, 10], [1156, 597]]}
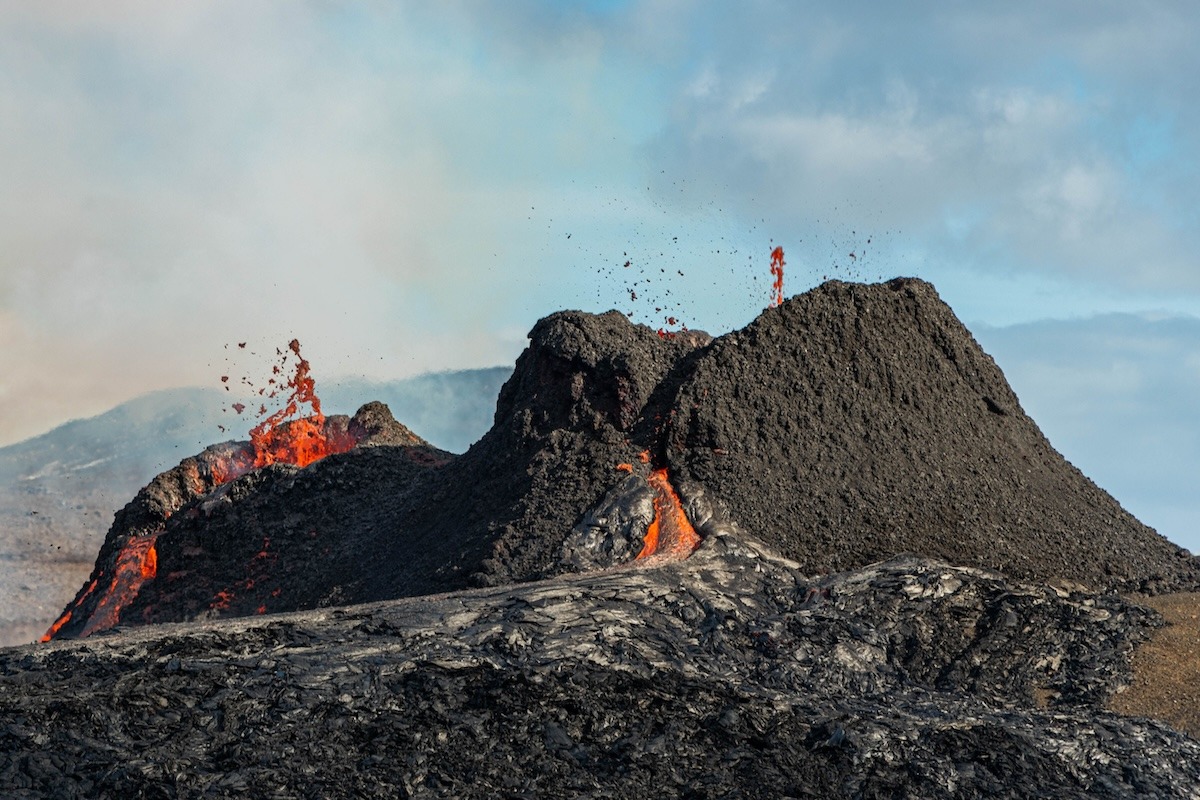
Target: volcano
{"points": [[788, 558]]}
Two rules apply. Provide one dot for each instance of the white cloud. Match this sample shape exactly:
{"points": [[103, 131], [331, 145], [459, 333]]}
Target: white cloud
{"points": [[901, 119], [181, 177]]}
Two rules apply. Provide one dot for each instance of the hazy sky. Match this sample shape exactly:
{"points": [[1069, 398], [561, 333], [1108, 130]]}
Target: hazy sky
{"points": [[409, 186]]}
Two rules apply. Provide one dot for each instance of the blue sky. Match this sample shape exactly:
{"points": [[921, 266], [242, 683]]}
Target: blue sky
{"points": [[409, 186]]}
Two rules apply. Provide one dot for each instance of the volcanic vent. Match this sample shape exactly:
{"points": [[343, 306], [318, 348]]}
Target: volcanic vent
{"points": [[846, 425]]}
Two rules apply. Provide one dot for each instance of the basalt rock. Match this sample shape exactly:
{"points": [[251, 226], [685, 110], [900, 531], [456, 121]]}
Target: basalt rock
{"points": [[901, 590], [851, 423], [180, 569], [857, 421], [728, 674]]}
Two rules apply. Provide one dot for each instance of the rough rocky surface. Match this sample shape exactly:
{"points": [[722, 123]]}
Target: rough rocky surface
{"points": [[729, 674], [224, 557], [901, 591], [850, 424], [856, 421]]}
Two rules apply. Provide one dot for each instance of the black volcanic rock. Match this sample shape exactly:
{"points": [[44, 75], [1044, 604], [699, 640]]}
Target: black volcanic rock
{"points": [[857, 421], [901, 591], [850, 424], [188, 567], [728, 674], [577, 405]]}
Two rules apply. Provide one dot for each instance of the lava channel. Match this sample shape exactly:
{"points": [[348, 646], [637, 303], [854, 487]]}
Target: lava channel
{"points": [[670, 533]]}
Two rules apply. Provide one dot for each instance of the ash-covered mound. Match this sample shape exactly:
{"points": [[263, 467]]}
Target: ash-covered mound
{"points": [[857, 421], [728, 674], [136, 555], [401, 519], [850, 424]]}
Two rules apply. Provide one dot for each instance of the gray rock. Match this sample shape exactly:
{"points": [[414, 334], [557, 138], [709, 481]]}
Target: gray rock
{"points": [[728, 674]]}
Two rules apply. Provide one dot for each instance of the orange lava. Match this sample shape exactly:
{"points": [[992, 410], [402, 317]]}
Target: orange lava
{"points": [[276, 439], [670, 533], [63, 620], [280, 439], [136, 563], [221, 601], [302, 441], [66, 617], [777, 263]]}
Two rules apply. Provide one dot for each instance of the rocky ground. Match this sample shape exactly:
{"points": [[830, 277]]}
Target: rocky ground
{"points": [[902, 590], [1166, 669], [729, 674]]}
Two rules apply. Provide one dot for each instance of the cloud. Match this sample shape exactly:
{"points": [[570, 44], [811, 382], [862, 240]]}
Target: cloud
{"points": [[904, 118], [177, 179], [395, 182]]}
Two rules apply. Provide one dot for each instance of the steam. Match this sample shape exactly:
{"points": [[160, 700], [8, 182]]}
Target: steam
{"points": [[172, 187], [178, 178]]}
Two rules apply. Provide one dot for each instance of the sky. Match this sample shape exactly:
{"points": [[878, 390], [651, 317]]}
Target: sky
{"points": [[409, 186]]}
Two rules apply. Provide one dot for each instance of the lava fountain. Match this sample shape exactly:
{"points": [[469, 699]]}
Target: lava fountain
{"points": [[280, 438], [777, 263]]}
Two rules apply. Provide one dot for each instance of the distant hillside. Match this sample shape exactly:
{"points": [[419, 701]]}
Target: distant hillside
{"points": [[59, 491]]}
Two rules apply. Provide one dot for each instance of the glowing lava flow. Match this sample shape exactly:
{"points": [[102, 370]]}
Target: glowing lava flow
{"points": [[276, 439], [670, 534], [66, 617], [136, 563], [281, 440], [777, 263]]}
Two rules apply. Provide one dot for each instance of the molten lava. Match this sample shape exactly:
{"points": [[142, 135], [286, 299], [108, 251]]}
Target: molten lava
{"points": [[777, 263], [279, 439], [670, 533], [276, 439], [136, 563], [66, 617]]}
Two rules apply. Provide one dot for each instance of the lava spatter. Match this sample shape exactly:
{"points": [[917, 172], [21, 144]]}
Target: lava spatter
{"points": [[777, 263], [279, 438], [282, 437]]}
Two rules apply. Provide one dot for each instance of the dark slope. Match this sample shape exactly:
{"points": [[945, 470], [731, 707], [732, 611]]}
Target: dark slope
{"points": [[575, 408], [857, 421], [188, 546], [407, 520], [729, 674], [850, 424], [59, 491]]}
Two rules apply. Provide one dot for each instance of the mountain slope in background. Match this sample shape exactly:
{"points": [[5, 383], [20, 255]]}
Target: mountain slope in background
{"points": [[59, 491]]}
